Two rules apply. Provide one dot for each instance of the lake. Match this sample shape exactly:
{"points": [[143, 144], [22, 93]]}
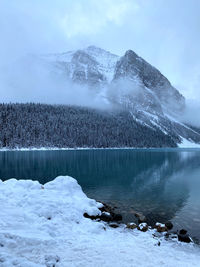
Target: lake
{"points": [[163, 184]]}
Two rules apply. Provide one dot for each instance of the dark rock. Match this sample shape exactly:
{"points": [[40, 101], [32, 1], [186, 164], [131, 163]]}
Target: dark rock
{"points": [[112, 216], [106, 208], [117, 217], [183, 236], [141, 218], [154, 217], [131, 226], [106, 217], [107, 214], [160, 227], [183, 232], [92, 217], [114, 225], [169, 225], [143, 227]]}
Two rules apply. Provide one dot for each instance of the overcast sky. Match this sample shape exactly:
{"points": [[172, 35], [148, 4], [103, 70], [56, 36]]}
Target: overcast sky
{"points": [[164, 32]]}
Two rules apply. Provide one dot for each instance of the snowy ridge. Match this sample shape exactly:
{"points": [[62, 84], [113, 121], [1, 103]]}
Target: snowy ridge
{"points": [[44, 226], [107, 61], [182, 124]]}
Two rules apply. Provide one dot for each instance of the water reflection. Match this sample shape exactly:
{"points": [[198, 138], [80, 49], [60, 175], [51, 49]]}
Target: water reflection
{"points": [[156, 182]]}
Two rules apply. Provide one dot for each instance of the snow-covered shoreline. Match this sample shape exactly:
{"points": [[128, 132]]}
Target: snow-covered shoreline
{"points": [[43, 225], [181, 146]]}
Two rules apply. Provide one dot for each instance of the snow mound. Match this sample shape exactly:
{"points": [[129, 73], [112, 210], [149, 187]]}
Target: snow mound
{"points": [[44, 226]]}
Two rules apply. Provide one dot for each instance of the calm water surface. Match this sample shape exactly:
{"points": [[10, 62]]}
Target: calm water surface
{"points": [[163, 184]]}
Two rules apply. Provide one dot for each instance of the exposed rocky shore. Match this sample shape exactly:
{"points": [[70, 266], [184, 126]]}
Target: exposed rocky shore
{"points": [[165, 230]]}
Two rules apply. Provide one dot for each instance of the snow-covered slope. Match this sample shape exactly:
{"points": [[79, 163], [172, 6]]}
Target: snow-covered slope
{"points": [[132, 67], [188, 144], [92, 65], [107, 61], [130, 83], [44, 226]]}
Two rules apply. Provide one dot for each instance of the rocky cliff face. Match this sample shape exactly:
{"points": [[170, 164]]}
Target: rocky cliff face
{"points": [[133, 67], [129, 83]]}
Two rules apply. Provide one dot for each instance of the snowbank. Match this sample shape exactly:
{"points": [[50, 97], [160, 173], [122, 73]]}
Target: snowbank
{"points": [[44, 226]]}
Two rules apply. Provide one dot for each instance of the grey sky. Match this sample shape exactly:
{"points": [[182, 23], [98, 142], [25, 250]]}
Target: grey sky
{"points": [[164, 32]]}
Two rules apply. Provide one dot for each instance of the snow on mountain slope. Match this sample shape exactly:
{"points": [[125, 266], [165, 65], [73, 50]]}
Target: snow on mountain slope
{"points": [[107, 61], [130, 83], [102, 61], [131, 66], [44, 226], [188, 144]]}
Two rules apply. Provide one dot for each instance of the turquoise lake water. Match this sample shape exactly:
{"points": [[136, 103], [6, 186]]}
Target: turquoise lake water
{"points": [[163, 184]]}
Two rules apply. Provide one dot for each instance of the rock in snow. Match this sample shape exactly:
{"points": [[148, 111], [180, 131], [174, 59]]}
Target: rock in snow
{"points": [[28, 238]]}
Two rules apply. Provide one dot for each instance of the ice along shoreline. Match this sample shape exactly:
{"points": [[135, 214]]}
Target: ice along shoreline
{"points": [[98, 148]]}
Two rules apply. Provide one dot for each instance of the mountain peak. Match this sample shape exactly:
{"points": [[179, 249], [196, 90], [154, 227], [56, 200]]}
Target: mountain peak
{"points": [[97, 51], [130, 53], [95, 66], [94, 48], [127, 82]]}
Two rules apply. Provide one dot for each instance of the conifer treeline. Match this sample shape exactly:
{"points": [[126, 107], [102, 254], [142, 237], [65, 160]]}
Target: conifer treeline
{"points": [[41, 125]]}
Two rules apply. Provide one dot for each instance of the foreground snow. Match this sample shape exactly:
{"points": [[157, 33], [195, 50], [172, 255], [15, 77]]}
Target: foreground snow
{"points": [[44, 226]]}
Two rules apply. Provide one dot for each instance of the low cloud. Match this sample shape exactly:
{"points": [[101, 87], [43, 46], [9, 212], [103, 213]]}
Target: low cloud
{"points": [[165, 33], [191, 113], [32, 80]]}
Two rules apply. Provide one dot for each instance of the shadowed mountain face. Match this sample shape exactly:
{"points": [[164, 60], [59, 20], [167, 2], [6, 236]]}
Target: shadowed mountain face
{"points": [[134, 68], [128, 83]]}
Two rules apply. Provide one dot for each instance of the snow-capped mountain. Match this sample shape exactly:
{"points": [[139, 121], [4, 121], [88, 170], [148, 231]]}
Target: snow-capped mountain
{"points": [[92, 66], [128, 82]]}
